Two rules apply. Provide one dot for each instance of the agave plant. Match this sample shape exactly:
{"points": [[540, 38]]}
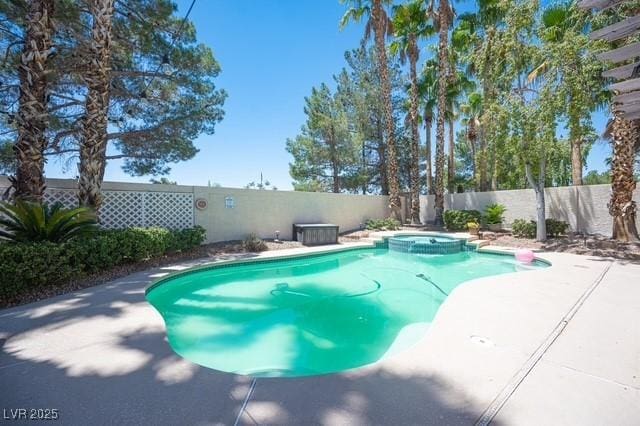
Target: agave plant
{"points": [[30, 222]]}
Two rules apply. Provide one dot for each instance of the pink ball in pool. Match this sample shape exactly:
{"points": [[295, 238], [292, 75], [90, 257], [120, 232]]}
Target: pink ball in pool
{"points": [[524, 255]]}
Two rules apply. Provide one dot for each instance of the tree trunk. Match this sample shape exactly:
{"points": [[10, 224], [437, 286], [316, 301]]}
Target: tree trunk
{"points": [[443, 16], [415, 140], [93, 145], [576, 161], [379, 27], [32, 116], [428, 121], [482, 166], [335, 166], [541, 226], [451, 165], [364, 167], [575, 138], [382, 159], [538, 187], [494, 171], [622, 208], [472, 137]]}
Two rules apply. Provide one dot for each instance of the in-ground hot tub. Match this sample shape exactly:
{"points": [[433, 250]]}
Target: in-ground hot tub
{"points": [[430, 244]]}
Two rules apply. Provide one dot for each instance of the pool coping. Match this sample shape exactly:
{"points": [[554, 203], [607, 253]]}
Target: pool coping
{"points": [[372, 241]]}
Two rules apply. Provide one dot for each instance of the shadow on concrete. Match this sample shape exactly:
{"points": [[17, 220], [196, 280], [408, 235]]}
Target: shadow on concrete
{"points": [[100, 356], [372, 398]]}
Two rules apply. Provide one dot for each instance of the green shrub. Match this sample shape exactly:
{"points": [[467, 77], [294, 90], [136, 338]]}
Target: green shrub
{"points": [[186, 239], [32, 222], [527, 228], [30, 265], [494, 213], [456, 220], [388, 224], [253, 243], [556, 228], [523, 228]]}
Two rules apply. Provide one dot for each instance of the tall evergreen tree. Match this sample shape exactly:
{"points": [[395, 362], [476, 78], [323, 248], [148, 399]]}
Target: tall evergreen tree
{"points": [[325, 151], [162, 91]]}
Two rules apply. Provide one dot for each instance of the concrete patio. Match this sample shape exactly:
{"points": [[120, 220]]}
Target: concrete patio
{"points": [[559, 345]]}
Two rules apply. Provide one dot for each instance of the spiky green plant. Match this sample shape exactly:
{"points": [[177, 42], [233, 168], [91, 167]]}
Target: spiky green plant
{"points": [[27, 221], [494, 213]]}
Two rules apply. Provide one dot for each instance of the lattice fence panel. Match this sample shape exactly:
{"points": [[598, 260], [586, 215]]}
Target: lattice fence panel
{"points": [[67, 197], [168, 209], [124, 209]]}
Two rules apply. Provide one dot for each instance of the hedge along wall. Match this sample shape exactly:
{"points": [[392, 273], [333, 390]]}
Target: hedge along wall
{"points": [[230, 213], [583, 207]]}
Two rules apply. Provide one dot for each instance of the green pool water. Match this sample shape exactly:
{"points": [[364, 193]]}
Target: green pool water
{"points": [[312, 315]]}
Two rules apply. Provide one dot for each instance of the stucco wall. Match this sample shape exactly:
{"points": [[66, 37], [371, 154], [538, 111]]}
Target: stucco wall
{"points": [[264, 212], [259, 211], [583, 207]]}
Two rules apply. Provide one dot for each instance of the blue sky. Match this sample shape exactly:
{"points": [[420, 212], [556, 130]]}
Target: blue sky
{"points": [[271, 53]]}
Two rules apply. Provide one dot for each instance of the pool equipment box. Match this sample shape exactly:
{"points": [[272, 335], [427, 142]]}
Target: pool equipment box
{"points": [[313, 234]]}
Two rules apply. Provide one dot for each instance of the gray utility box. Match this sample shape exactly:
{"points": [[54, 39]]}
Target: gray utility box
{"points": [[313, 234]]}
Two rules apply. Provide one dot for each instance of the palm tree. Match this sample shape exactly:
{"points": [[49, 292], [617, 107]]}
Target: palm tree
{"points": [[382, 27], [472, 111], [410, 24], [32, 104], [428, 89], [93, 144], [443, 18], [458, 84], [625, 137]]}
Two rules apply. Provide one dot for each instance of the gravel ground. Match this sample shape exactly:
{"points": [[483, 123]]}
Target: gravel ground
{"points": [[589, 245]]}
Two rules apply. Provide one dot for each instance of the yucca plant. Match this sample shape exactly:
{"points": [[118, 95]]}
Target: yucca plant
{"points": [[31, 222]]}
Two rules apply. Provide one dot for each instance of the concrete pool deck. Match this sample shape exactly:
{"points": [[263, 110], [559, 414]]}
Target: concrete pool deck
{"points": [[559, 345]]}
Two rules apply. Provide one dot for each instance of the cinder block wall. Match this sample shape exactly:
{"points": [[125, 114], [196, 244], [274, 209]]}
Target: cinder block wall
{"points": [[260, 211], [583, 207]]}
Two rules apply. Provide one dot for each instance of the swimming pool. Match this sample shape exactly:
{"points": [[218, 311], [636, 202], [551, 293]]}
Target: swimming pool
{"points": [[315, 314]]}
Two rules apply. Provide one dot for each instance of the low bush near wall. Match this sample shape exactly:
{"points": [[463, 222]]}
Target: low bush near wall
{"points": [[523, 228], [26, 266], [388, 224], [254, 244], [456, 220], [556, 228]]}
